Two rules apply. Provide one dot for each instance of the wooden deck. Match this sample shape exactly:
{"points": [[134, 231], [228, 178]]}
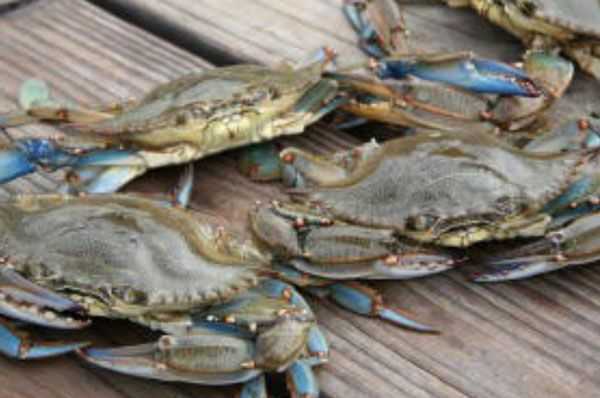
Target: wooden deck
{"points": [[528, 339]]}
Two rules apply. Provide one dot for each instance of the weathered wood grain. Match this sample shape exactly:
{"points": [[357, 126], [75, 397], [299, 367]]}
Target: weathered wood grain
{"points": [[534, 338]]}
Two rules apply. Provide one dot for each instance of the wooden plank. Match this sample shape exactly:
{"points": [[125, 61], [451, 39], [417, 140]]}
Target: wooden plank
{"points": [[531, 338]]}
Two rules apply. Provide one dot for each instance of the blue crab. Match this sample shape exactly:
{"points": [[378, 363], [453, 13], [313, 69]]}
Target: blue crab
{"points": [[177, 122], [226, 308], [447, 189]]}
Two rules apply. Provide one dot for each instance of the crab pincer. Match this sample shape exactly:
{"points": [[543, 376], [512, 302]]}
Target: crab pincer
{"points": [[576, 244], [462, 69], [25, 301]]}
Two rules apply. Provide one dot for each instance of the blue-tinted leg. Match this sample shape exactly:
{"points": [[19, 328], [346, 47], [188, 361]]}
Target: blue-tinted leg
{"points": [[365, 301], [183, 190], [463, 70], [255, 388], [318, 348], [23, 300], [301, 380], [16, 344]]}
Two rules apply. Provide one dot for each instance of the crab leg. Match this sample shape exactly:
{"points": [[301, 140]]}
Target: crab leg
{"points": [[42, 107], [180, 194], [97, 171], [363, 300], [317, 346], [353, 10], [301, 379], [576, 244], [379, 25], [98, 180], [463, 70], [209, 359], [23, 300], [16, 344], [218, 350], [255, 388]]}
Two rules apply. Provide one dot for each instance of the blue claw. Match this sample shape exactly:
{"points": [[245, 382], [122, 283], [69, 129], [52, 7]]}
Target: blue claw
{"points": [[100, 180], [261, 162], [276, 289], [97, 171], [141, 361], [318, 348], [15, 346], [574, 194], [362, 300], [354, 15], [108, 157], [255, 388], [301, 380], [474, 74], [28, 302], [14, 164], [25, 155], [47, 350]]}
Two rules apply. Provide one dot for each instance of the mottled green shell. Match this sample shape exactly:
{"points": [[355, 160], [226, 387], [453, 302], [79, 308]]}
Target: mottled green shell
{"points": [[129, 254], [443, 180], [580, 16], [212, 96]]}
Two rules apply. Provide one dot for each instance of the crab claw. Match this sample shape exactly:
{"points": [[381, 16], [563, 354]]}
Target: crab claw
{"points": [[576, 244], [519, 268], [462, 70], [25, 155], [354, 12], [414, 265], [169, 359], [98, 171], [23, 300], [365, 301], [260, 162], [16, 345], [301, 380]]}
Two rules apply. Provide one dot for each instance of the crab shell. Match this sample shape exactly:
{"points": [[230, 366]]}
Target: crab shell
{"points": [[122, 256], [208, 112], [452, 189]]}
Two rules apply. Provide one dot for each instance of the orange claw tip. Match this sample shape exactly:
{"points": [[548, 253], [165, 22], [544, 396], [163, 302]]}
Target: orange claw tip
{"points": [[299, 223], [583, 124], [288, 158], [397, 319], [373, 64], [330, 53]]}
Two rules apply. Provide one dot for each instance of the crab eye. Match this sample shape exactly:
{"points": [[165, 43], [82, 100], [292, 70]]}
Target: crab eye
{"points": [[288, 158], [556, 237], [421, 222]]}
